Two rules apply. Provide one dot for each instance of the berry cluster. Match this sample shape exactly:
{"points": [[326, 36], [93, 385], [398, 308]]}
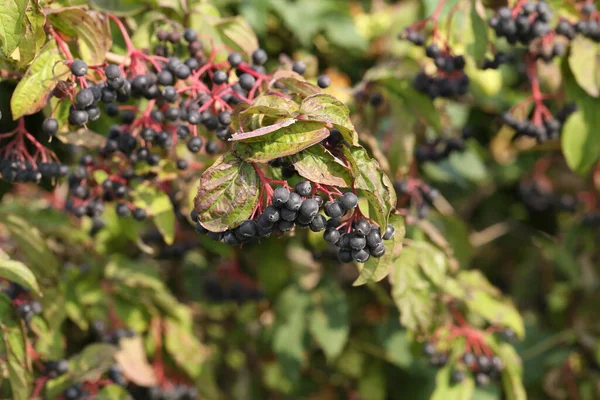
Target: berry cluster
{"points": [[27, 310], [449, 80], [414, 193], [175, 392], [547, 52], [17, 171], [484, 367], [76, 392], [56, 368], [524, 23], [477, 358], [239, 291], [357, 239], [87, 197], [438, 148], [494, 63], [542, 126], [359, 243], [540, 198], [588, 27]]}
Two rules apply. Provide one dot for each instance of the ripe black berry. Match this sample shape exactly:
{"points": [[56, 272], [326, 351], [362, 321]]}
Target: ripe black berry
{"points": [[79, 68], [334, 209], [259, 57], [303, 188], [139, 214], [195, 144], [299, 67], [182, 165], [78, 117], [280, 196], [323, 81], [235, 59], [190, 35], [123, 210], [50, 126], [112, 71], [219, 77], [349, 201], [247, 81], [294, 202], [389, 232]]}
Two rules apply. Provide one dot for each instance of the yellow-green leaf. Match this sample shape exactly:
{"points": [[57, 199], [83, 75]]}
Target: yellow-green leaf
{"points": [[43, 74]]}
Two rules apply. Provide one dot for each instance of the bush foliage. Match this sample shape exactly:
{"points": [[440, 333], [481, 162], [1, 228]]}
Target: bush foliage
{"points": [[299, 199]]}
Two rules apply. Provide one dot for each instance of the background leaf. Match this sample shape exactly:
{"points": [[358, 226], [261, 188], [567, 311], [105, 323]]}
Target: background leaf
{"points": [[18, 272]]}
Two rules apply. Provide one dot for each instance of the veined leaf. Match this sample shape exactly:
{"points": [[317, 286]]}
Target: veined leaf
{"points": [[121, 8], [326, 108], [90, 28], [43, 74], [227, 193], [12, 14], [237, 34], [412, 292], [13, 351], [319, 165], [372, 183], [283, 142]]}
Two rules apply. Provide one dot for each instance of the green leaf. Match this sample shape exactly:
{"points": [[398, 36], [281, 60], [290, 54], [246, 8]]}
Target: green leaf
{"points": [[329, 320], [480, 32], [48, 341], [372, 384], [237, 34], [512, 372], [418, 103], [89, 365], [13, 351], [446, 390], [91, 30], [580, 142], [39, 80], [412, 292], [34, 35], [283, 142], [485, 300], [40, 259], [326, 108], [394, 341], [113, 392], [375, 269], [583, 62], [294, 84], [227, 194], [318, 165], [183, 347], [18, 272], [121, 8], [12, 14], [160, 208], [290, 330], [142, 37], [372, 183]]}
